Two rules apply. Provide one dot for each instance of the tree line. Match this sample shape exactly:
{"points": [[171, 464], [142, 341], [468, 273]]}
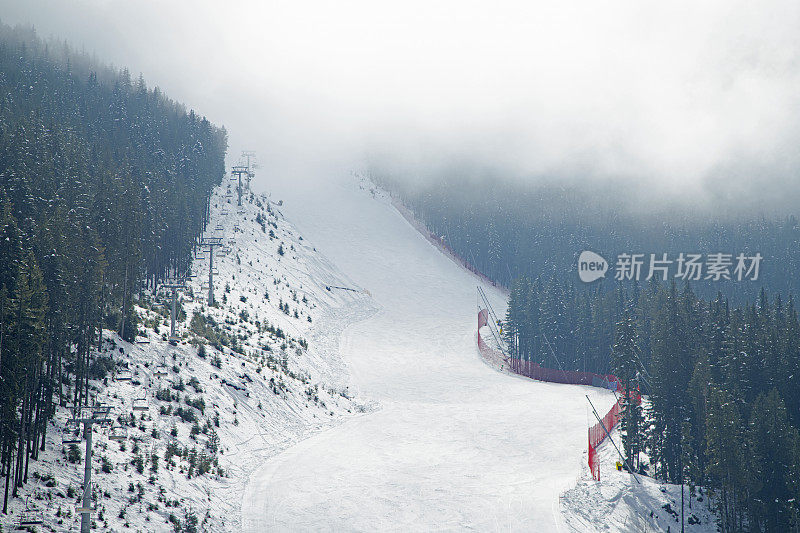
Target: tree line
{"points": [[104, 188], [722, 384]]}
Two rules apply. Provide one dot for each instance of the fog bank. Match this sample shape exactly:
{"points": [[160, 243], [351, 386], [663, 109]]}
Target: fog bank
{"points": [[702, 99]]}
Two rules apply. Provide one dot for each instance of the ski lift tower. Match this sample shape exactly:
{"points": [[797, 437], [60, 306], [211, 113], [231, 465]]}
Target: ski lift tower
{"points": [[88, 416], [239, 171], [250, 156], [210, 243], [250, 175], [174, 286]]}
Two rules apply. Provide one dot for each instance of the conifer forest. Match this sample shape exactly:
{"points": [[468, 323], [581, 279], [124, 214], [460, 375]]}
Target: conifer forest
{"points": [[104, 188]]}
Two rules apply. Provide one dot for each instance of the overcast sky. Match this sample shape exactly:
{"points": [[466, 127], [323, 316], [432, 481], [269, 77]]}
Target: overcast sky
{"points": [[680, 95]]}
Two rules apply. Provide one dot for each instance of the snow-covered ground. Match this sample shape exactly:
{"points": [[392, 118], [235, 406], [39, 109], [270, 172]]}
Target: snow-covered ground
{"points": [[284, 381], [365, 409], [619, 504], [454, 445]]}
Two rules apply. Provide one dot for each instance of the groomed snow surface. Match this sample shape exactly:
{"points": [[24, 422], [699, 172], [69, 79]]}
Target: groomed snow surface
{"points": [[455, 444], [388, 421]]}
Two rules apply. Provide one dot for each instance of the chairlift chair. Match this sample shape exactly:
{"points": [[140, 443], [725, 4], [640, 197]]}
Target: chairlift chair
{"points": [[161, 371], [100, 410], [118, 433], [123, 375], [70, 434], [141, 404], [31, 516]]}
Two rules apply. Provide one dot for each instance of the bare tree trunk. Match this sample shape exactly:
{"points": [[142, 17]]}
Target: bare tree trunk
{"points": [[124, 299], [89, 342], [20, 448], [102, 313], [8, 473], [60, 372], [2, 337]]}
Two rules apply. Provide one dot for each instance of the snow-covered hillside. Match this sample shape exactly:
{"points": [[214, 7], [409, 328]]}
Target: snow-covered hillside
{"points": [[321, 402], [455, 445], [212, 416]]}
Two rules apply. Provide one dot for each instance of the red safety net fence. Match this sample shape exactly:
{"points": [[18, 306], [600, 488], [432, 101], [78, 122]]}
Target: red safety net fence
{"points": [[597, 435], [555, 375], [572, 377]]}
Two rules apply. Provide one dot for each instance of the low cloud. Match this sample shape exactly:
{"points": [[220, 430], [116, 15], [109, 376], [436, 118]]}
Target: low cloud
{"points": [[671, 97]]}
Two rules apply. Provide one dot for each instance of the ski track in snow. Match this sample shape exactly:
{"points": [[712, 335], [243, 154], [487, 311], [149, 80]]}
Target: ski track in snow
{"points": [[441, 441], [455, 445], [444, 441]]}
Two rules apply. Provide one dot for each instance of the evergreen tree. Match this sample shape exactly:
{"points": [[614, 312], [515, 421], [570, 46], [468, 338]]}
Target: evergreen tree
{"points": [[773, 443], [726, 462], [671, 369], [624, 362]]}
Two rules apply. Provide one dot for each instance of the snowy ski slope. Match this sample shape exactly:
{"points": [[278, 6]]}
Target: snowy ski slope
{"points": [[455, 444]]}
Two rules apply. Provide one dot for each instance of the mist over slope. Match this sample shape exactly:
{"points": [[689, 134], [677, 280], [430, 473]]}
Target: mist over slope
{"points": [[699, 100], [508, 228]]}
